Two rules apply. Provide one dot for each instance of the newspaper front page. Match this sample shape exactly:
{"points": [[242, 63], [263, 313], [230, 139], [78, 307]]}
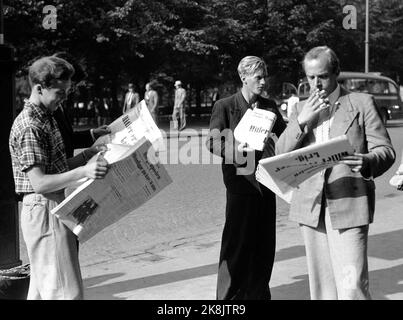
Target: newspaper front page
{"points": [[255, 127], [284, 172], [132, 180], [134, 177], [132, 126]]}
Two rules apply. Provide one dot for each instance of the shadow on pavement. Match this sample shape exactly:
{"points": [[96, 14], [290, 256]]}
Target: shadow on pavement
{"points": [[290, 253], [386, 245], [89, 282], [386, 282], [298, 290], [108, 291]]}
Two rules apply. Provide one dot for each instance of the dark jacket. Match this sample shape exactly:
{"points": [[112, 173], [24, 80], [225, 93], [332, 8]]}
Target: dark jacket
{"points": [[72, 139], [226, 114]]}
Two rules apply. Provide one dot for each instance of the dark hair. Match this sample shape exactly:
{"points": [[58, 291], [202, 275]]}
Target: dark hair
{"points": [[47, 69], [79, 72], [331, 56]]}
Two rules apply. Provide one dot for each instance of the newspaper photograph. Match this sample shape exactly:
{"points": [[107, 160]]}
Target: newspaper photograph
{"points": [[132, 179], [254, 127], [284, 172]]}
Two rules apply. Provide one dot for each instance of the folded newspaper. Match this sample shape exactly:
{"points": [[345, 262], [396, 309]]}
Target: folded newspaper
{"points": [[255, 127], [397, 179], [283, 173], [134, 177]]}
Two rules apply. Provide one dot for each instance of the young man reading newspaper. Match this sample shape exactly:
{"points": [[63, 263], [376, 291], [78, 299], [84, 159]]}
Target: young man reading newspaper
{"points": [[41, 172]]}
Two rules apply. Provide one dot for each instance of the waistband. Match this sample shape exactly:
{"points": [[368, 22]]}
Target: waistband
{"points": [[57, 196]]}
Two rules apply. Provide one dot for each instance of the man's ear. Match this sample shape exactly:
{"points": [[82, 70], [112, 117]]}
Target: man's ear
{"points": [[38, 88], [243, 79]]}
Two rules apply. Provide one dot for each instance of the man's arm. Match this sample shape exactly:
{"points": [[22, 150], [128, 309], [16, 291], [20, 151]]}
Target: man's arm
{"points": [[136, 99], [85, 138], [153, 101], [83, 157], [182, 97], [221, 141], [124, 109], [381, 155], [45, 183]]}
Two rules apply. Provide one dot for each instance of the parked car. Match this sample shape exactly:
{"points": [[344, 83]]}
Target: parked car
{"points": [[288, 94], [385, 91]]}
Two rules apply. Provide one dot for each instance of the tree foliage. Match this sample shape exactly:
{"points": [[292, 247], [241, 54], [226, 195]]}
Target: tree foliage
{"points": [[201, 42]]}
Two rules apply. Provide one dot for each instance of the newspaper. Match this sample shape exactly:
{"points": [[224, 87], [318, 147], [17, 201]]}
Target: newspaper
{"points": [[134, 177], [132, 126], [283, 173], [397, 179], [255, 127]]}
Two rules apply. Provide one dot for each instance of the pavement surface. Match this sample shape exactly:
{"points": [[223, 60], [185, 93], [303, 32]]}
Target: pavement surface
{"points": [[184, 265]]}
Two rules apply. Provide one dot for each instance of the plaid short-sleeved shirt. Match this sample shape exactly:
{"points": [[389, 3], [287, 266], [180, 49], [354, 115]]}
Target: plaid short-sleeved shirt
{"points": [[35, 140]]}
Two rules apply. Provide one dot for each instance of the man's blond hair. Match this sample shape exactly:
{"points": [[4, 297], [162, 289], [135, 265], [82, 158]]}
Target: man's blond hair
{"points": [[249, 65]]}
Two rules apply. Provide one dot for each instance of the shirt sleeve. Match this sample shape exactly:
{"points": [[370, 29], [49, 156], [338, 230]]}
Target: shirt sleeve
{"points": [[33, 147]]}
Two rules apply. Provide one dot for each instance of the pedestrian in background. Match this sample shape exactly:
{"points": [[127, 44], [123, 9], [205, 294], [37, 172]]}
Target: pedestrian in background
{"points": [[248, 239], [335, 207], [151, 99], [215, 96], [179, 106], [131, 98], [41, 171]]}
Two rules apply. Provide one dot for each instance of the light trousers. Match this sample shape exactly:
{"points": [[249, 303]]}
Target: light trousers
{"points": [[337, 261], [52, 251]]}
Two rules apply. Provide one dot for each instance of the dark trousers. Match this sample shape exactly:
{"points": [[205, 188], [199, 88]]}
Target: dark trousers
{"points": [[247, 247]]}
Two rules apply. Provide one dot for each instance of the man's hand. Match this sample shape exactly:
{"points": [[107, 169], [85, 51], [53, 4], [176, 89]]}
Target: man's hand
{"points": [[244, 147], [312, 107], [90, 152], [357, 162], [96, 168], [100, 131]]}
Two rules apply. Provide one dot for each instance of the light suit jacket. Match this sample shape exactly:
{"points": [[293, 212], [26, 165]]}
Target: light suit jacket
{"points": [[350, 197]]}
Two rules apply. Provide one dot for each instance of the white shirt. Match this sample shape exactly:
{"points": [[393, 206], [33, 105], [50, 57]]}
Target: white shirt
{"points": [[326, 117]]}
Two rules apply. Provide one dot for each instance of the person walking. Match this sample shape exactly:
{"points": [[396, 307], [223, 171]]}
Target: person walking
{"points": [[179, 106], [131, 98], [151, 99]]}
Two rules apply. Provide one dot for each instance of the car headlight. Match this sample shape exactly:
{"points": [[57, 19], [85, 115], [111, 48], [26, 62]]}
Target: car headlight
{"points": [[283, 106]]}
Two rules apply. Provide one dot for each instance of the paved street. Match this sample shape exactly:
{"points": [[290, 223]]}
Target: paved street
{"points": [[168, 249]]}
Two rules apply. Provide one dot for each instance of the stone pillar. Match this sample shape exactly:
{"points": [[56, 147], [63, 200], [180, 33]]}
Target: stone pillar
{"points": [[9, 226]]}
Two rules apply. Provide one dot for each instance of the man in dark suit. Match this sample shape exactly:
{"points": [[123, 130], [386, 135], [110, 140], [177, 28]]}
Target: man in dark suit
{"points": [[76, 139], [335, 207], [248, 239]]}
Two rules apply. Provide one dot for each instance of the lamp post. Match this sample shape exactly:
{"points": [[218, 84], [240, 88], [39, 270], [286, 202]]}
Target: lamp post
{"points": [[367, 36], [9, 230]]}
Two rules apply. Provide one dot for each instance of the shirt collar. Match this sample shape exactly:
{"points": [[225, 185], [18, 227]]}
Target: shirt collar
{"points": [[41, 109]]}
